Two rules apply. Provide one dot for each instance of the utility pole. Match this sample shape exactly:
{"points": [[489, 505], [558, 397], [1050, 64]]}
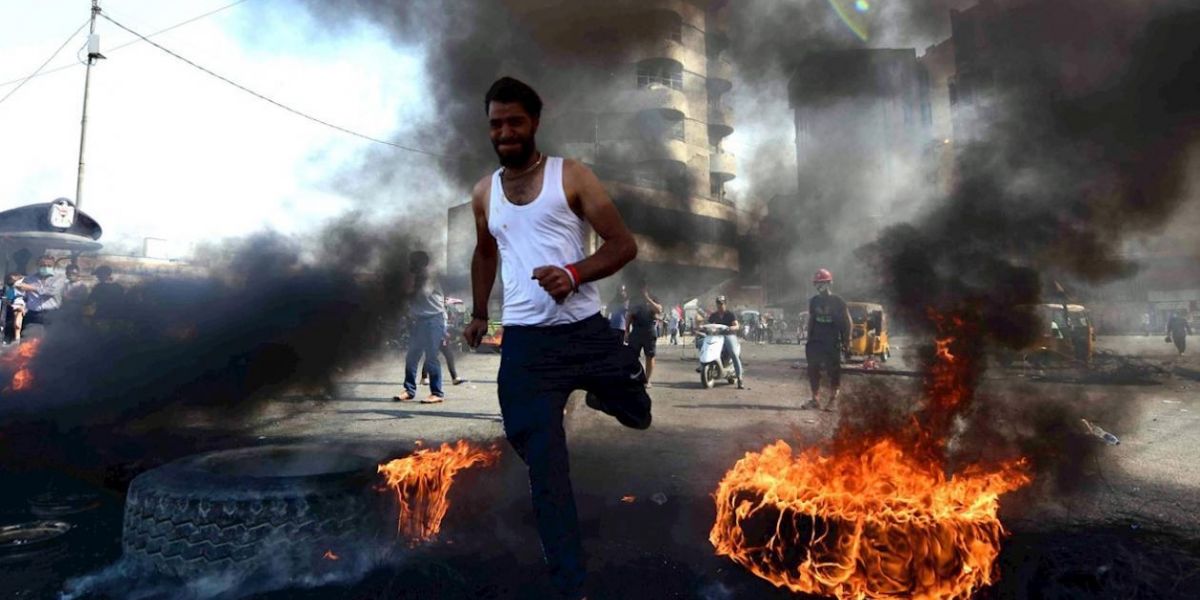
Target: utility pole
{"points": [[93, 47]]}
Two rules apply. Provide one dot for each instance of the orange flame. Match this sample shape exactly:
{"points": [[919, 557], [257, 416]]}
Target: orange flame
{"points": [[18, 362], [628, 499], [330, 555], [422, 483], [878, 518]]}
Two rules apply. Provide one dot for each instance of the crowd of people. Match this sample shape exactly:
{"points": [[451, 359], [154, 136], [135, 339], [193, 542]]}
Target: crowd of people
{"points": [[47, 298]]}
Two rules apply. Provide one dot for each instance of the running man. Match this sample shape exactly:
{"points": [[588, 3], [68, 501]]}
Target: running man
{"points": [[531, 218]]}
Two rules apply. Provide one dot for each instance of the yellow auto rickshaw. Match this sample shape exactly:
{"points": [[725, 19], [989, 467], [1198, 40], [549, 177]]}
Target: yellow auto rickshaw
{"points": [[1066, 333], [868, 331]]}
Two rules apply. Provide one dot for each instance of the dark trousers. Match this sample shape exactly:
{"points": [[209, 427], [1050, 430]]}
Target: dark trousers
{"points": [[539, 368], [823, 357], [1180, 342]]}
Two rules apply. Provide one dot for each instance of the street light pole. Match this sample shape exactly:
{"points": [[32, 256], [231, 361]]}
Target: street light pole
{"points": [[93, 47]]}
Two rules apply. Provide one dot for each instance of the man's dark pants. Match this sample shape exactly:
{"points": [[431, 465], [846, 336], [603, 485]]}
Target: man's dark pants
{"points": [[823, 357], [642, 341], [539, 368]]}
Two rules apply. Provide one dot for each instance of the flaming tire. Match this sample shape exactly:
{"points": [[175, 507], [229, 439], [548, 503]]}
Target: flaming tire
{"points": [[279, 508]]}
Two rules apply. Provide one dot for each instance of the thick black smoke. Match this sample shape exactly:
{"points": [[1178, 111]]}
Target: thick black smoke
{"points": [[769, 37], [274, 313], [1080, 138], [1081, 141]]}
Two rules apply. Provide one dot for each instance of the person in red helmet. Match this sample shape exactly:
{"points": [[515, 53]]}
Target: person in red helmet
{"points": [[828, 334]]}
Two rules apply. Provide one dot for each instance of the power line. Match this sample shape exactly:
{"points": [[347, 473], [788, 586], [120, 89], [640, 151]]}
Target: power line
{"points": [[137, 40], [274, 102], [39, 69]]}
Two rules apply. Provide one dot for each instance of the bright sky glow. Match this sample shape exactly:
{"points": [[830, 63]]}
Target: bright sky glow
{"points": [[176, 154]]}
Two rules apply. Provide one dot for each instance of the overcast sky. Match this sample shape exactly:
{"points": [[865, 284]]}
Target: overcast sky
{"points": [[176, 154]]}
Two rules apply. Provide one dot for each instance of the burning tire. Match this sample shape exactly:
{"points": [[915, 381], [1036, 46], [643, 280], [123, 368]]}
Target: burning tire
{"points": [[290, 509]]}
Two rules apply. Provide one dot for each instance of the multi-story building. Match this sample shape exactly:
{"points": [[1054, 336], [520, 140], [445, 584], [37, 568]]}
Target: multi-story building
{"points": [[862, 120], [938, 62], [639, 95]]}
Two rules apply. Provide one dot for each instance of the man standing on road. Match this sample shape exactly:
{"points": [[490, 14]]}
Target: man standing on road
{"points": [[43, 293], [618, 311], [673, 325], [1178, 330], [427, 313], [723, 317], [828, 335], [532, 217], [640, 327]]}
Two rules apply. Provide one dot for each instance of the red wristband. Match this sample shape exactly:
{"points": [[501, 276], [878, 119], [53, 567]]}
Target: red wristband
{"points": [[574, 273]]}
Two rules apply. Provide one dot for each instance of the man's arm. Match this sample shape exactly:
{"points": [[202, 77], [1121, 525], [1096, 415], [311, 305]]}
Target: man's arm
{"points": [[846, 324], [483, 266], [655, 307], [589, 200]]}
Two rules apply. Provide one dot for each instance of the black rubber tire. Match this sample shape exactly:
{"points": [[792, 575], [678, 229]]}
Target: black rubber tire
{"points": [[270, 507]]}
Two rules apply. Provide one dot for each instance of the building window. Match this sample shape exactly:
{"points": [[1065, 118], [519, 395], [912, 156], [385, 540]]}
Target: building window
{"points": [[659, 125], [660, 72], [675, 131], [716, 188]]}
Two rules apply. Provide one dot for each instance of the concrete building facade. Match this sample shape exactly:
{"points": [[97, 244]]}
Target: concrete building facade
{"points": [[645, 107]]}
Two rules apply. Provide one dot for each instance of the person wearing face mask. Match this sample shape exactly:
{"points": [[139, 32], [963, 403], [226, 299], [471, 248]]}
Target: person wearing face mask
{"points": [[43, 293], [828, 334]]}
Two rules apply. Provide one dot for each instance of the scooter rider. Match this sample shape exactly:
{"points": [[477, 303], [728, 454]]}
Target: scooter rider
{"points": [[724, 317], [828, 335]]}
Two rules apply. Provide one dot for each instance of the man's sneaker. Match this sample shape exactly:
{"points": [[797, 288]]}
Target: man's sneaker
{"points": [[424, 381], [404, 397], [811, 404], [627, 415], [433, 399], [458, 381], [741, 386]]}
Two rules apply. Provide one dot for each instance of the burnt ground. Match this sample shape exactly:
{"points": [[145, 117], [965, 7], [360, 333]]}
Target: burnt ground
{"points": [[1125, 527]]}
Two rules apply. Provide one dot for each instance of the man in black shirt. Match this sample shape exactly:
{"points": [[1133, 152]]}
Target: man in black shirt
{"points": [[639, 327], [724, 317], [828, 334], [1178, 330]]}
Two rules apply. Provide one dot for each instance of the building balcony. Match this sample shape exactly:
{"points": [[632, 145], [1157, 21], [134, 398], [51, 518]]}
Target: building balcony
{"points": [[626, 152], [656, 97], [720, 76], [658, 49], [723, 166], [720, 122], [716, 40]]}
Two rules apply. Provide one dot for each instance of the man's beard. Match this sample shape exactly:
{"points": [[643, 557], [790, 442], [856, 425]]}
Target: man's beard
{"points": [[520, 159]]}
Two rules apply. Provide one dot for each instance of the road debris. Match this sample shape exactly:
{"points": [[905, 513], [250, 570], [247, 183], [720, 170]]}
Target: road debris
{"points": [[1097, 431]]}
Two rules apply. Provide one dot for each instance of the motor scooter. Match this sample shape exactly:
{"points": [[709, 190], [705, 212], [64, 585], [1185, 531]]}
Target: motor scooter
{"points": [[716, 360]]}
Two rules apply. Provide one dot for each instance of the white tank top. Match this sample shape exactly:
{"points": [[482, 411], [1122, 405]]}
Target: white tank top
{"points": [[544, 232]]}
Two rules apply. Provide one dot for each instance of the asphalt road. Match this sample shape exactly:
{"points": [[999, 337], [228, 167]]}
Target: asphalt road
{"points": [[644, 497], [1150, 478]]}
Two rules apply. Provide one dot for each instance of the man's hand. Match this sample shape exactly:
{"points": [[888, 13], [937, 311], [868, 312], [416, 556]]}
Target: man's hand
{"points": [[555, 280], [474, 332]]}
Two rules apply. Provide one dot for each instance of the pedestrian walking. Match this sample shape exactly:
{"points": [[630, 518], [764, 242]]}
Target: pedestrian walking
{"points": [[1178, 329], [828, 335], [640, 329], [427, 312]]}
